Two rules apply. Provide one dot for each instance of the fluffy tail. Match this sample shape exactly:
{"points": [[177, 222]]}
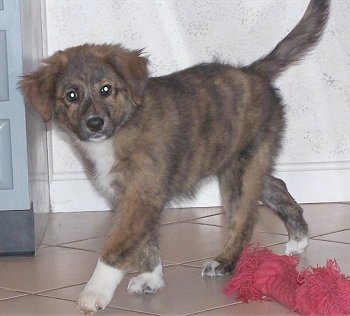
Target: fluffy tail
{"points": [[297, 43]]}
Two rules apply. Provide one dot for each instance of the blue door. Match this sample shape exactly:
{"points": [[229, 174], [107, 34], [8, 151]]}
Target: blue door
{"points": [[16, 216]]}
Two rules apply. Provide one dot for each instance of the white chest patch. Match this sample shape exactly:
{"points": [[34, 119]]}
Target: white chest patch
{"points": [[102, 155]]}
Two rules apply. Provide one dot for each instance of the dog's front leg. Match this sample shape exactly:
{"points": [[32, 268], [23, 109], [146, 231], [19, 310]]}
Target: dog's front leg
{"points": [[99, 290], [150, 279], [138, 217]]}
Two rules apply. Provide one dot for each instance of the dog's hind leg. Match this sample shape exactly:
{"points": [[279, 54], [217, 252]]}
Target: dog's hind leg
{"points": [[150, 279], [241, 184], [275, 195]]}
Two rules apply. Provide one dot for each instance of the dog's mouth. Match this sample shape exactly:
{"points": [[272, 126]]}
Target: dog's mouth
{"points": [[97, 138], [100, 135]]}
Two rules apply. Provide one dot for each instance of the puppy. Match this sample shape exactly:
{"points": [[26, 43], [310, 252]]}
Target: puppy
{"points": [[146, 141]]}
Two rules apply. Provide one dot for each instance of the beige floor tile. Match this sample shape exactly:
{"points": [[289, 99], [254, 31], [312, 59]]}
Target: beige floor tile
{"points": [[86, 225], [34, 305], [327, 218], [252, 308], [185, 292], [317, 216], [182, 242], [6, 294], [262, 239], [195, 237], [173, 215], [214, 220], [38, 305], [319, 251], [343, 237], [267, 221], [92, 244], [321, 218], [265, 239], [53, 267], [68, 227]]}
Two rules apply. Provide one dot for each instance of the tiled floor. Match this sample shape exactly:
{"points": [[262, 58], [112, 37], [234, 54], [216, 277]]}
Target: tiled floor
{"points": [[49, 283]]}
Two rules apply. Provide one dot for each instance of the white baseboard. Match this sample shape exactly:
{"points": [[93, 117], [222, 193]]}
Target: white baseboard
{"points": [[307, 182]]}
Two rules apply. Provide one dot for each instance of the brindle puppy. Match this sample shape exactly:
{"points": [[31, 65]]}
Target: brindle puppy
{"points": [[146, 141]]}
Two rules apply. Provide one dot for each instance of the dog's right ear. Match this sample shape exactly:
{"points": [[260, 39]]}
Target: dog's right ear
{"points": [[38, 88]]}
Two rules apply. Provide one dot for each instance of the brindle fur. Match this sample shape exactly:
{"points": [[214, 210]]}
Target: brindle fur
{"points": [[171, 132]]}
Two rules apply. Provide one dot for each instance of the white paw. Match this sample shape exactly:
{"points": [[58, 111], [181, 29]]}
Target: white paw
{"points": [[100, 289], [91, 301], [211, 269], [295, 247], [147, 282]]}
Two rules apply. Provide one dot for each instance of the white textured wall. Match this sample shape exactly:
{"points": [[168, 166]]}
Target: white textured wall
{"points": [[177, 34]]}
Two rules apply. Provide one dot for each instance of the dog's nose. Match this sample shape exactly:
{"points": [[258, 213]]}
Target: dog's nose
{"points": [[95, 124]]}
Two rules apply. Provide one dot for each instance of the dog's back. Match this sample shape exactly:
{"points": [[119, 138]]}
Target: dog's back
{"points": [[207, 114]]}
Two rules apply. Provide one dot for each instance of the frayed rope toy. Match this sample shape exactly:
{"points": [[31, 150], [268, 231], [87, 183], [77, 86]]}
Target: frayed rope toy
{"points": [[262, 275]]}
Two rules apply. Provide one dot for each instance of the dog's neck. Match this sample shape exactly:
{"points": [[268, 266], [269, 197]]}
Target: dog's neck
{"points": [[100, 154]]}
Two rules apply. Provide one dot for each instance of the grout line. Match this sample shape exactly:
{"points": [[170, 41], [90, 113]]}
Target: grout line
{"points": [[14, 290], [214, 308], [19, 293], [70, 248], [173, 223], [42, 292], [191, 219], [56, 298], [213, 225], [14, 297], [132, 310], [188, 263], [69, 242], [84, 239], [185, 263], [186, 221], [270, 233], [211, 215], [76, 248], [333, 241], [324, 203], [333, 232]]}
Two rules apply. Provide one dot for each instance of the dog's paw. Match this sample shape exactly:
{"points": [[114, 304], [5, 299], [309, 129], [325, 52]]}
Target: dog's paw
{"points": [[295, 247], [91, 301], [213, 269], [100, 289], [147, 282]]}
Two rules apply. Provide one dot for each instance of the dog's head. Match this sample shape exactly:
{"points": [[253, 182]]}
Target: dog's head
{"points": [[90, 90]]}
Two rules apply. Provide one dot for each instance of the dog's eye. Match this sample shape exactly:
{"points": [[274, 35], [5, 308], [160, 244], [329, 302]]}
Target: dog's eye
{"points": [[72, 95], [106, 90]]}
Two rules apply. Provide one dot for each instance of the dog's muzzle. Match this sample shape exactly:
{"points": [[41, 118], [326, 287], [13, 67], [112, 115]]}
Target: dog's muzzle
{"points": [[96, 128]]}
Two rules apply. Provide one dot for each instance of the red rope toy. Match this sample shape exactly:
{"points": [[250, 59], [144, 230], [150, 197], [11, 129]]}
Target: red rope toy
{"points": [[262, 275]]}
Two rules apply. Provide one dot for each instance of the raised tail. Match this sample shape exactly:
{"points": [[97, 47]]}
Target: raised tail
{"points": [[296, 44]]}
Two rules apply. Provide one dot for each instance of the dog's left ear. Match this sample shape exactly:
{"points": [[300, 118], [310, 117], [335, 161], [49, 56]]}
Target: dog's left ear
{"points": [[132, 67]]}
